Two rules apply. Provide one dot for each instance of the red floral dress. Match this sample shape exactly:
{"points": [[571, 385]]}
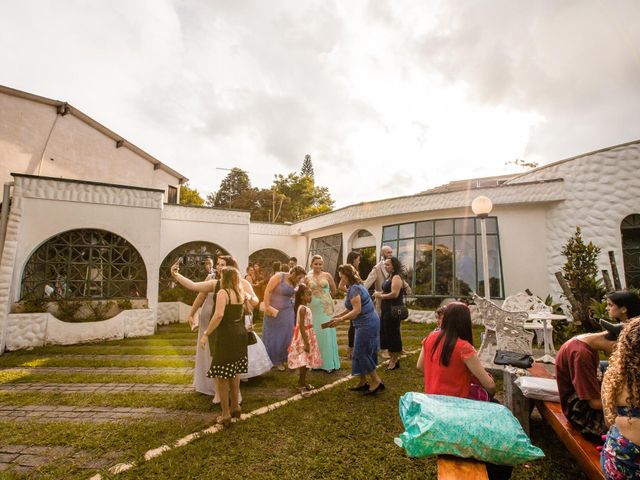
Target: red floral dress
{"points": [[297, 356]]}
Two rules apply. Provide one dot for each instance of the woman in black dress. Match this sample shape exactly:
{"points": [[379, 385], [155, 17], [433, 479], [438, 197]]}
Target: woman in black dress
{"points": [[392, 294], [227, 338]]}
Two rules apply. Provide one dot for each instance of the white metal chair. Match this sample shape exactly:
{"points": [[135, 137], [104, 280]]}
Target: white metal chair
{"points": [[523, 302], [504, 330]]}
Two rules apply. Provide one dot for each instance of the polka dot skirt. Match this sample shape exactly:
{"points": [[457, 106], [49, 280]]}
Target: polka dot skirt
{"points": [[229, 370]]}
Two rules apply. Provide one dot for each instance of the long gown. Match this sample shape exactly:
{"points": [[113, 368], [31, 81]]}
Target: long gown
{"points": [[322, 311], [201, 383], [277, 331], [259, 361]]}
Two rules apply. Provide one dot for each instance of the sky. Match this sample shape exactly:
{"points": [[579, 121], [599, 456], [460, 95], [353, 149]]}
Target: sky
{"points": [[389, 98]]}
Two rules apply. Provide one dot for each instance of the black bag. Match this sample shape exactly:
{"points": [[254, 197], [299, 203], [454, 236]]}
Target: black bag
{"points": [[251, 338], [515, 359], [399, 312]]}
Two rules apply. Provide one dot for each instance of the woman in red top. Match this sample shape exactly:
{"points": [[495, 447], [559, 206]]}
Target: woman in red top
{"points": [[448, 358]]}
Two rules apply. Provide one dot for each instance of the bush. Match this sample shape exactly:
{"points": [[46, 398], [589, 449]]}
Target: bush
{"points": [[99, 310], [67, 310], [177, 294], [34, 304], [125, 304]]}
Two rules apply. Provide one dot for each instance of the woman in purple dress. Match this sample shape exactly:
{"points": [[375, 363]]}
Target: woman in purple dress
{"points": [[279, 317]]}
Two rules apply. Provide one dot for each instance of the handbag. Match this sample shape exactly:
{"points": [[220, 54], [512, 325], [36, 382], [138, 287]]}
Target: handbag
{"points": [[515, 359], [399, 312]]}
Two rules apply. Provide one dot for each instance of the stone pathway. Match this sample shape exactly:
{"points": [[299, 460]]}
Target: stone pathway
{"points": [[97, 356], [103, 370], [49, 413], [97, 387], [23, 458]]}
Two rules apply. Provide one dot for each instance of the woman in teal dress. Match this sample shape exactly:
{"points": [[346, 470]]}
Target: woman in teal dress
{"points": [[322, 288]]}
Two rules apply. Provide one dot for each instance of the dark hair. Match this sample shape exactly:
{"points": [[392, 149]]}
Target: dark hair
{"points": [[293, 259], [302, 288], [276, 266], [350, 272], [297, 270], [231, 280], [284, 267], [625, 298], [229, 260], [352, 256], [456, 324], [397, 266]]}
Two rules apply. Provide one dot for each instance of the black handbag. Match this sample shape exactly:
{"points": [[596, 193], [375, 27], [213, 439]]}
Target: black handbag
{"points": [[515, 359], [399, 312]]}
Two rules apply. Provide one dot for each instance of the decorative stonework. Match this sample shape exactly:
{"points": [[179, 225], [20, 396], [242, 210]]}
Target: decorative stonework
{"points": [[27, 330], [551, 190], [599, 192], [53, 189], [202, 214]]}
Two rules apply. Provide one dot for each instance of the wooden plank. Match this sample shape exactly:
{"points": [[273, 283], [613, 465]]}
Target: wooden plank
{"points": [[583, 450], [456, 468]]}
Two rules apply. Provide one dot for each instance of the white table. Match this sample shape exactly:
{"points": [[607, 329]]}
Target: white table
{"points": [[547, 318]]}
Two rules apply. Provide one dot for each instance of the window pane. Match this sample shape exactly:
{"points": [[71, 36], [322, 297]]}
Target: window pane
{"points": [[492, 225], [444, 266], [407, 230], [424, 229], [405, 255], [465, 264], [393, 245], [330, 248], [390, 233], [495, 275], [444, 227], [424, 266], [464, 226]]}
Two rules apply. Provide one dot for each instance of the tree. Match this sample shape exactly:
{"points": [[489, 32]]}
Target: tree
{"points": [[190, 196], [580, 272], [235, 191], [302, 198], [307, 167]]}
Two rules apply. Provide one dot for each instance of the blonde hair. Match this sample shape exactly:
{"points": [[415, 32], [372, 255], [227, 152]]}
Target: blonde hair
{"points": [[623, 371], [316, 257]]}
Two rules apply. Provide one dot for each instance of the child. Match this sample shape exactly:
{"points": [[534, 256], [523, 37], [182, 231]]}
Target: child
{"points": [[303, 350]]}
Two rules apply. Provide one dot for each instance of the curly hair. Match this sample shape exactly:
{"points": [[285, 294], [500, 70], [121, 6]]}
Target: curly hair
{"points": [[623, 372], [351, 273]]}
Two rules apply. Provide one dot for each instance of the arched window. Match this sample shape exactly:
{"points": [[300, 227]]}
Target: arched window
{"points": [[630, 231], [194, 254], [266, 258], [85, 263]]}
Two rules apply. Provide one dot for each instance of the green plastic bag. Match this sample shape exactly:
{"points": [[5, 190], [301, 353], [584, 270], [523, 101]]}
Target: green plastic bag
{"points": [[439, 424]]}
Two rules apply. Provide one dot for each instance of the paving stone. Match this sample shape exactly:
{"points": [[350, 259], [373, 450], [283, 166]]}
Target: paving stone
{"points": [[12, 448], [60, 451], [36, 450], [8, 457], [5, 466], [31, 460]]}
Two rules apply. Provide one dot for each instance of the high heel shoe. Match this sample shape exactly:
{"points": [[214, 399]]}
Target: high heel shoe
{"points": [[395, 367], [376, 390], [361, 388], [224, 421]]}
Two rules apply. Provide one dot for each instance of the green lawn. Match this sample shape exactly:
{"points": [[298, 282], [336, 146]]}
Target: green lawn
{"points": [[335, 434]]}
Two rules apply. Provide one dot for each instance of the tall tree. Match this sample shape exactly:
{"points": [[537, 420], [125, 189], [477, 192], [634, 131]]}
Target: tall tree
{"points": [[190, 196], [302, 198], [235, 191], [307, 167]]}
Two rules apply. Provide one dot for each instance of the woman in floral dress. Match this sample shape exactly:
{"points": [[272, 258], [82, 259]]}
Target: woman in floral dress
{"points": [[322, 288]]}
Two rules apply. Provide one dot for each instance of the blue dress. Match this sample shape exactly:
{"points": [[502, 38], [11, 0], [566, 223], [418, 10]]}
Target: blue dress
{"points": [[277, 331], [366, 343]]}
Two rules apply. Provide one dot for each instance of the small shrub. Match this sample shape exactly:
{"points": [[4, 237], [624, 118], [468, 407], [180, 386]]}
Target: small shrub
{"points": [[177, 294], [67, 310], [34, 304], [99, 310], [125, 304]]}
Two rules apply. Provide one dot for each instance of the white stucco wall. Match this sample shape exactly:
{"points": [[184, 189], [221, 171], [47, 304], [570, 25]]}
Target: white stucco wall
{"points": [[600, 191], [227, 228], [279, 237], [35, 140]]}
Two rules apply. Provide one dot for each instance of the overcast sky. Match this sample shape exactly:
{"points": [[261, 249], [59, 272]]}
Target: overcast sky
{"points": [[388, 97]]}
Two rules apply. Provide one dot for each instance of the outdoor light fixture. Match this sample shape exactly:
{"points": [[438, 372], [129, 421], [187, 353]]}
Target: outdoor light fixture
{"points": [[482, 206]]}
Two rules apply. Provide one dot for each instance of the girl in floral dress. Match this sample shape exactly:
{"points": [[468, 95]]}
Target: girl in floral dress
{"points": [[303, 351]]}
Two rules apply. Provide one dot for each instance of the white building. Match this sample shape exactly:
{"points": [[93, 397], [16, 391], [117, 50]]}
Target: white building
{"points": [[91, 216]]}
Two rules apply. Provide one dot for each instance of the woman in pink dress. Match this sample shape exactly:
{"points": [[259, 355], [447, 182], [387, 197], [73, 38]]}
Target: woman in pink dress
{"points": [[303, 350]]}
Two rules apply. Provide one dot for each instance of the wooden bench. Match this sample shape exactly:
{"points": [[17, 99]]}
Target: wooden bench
{"points": [[456, 468], [583, 450]]}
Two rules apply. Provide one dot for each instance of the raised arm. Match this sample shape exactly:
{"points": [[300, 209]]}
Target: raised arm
{"points": [[206, 286]]}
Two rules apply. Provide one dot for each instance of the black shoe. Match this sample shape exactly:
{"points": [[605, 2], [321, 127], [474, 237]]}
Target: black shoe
{"points": [[395, 367], [376, 390], [361, 388]]}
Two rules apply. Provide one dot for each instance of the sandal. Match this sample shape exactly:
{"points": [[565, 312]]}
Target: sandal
{"points": [[225, 422], [304, 391]]}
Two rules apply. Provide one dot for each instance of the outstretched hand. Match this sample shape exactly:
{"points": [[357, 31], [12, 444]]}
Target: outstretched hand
{"points": [[175, 268]]}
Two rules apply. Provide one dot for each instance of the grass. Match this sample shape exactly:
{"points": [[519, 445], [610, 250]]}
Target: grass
{"points": [[335, 430]]}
